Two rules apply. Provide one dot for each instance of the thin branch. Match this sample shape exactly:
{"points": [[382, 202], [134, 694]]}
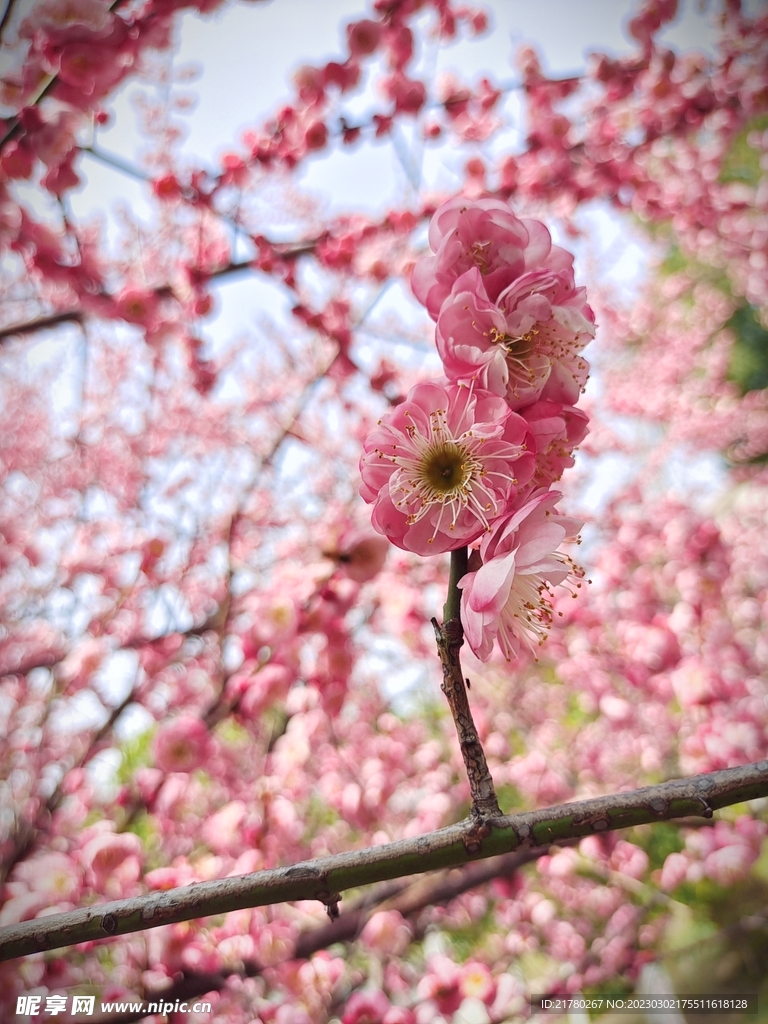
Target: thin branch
{"points": [[42, 323], [27, 831], [449, 638], [6, 16], [288, 251], [323, 879]]}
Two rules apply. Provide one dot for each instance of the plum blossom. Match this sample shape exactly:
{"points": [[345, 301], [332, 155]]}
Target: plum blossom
{"points": [[112, 863], [524, 346], [359, 554], [504, 599], [484, 235], [556, 429], [443, 465], [182, 744]]}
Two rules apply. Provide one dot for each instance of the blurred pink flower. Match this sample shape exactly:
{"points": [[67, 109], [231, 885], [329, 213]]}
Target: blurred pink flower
{"points": [[360, 554], [368, 1007], [182, 744], [477, 982], [112, 863], [442, 984], [443, 465], [387, 932]]}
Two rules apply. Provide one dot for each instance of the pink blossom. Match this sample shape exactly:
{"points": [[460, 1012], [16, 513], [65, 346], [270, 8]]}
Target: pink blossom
{"points": [[360, 554], [674, 872], [629, 859], [363, 37], [442, 465], [556, 429], [259, 690], [91, 67], [55, 875], [484, 235], [112, 863], [477, 982], [275, 943], [23, 907], [504, 599], [65, 20], [138, 306], [223, 830], [387, 932], [182, 744], [442, 984], [369, 1007], [524, 346], [81, 663]]}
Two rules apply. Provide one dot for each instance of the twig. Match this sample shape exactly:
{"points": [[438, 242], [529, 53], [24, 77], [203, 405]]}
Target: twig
{"points": [[6, 16], [323, 879], [449, 638]]}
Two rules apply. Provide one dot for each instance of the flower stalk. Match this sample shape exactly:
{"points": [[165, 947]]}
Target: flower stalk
{"points": [[449, 638]]}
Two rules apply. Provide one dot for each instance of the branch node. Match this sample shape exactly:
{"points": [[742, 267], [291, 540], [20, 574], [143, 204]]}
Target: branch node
{"points": [[707, 811], [479, 830], [331, 904], [109, 924]]}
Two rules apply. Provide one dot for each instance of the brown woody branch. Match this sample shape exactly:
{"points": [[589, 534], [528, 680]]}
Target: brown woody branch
{"points": [[449, 638], [325, 878]]}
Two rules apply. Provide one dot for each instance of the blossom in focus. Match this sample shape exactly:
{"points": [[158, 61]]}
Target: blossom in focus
{"points": [[556, 429], [443, 465], [504, 600], [524, 346], [483, 234]]}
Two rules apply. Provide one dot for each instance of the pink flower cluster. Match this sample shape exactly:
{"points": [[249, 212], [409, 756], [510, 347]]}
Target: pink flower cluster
{"points": [[470, 459]]}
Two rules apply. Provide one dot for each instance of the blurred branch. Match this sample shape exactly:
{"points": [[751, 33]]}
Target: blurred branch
{"points": [[42, 323], [285, 251], [325, 878], [6, 16], [27, 830]]}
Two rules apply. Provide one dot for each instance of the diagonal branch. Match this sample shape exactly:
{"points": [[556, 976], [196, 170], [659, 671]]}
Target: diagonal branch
{"points": [[323, 879]]}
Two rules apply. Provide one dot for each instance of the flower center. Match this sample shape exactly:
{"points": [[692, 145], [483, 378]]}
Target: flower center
{"points": [[518, 352], [445, 468], [527, 615], [448, 474], [517, 347], [479, 256]]}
